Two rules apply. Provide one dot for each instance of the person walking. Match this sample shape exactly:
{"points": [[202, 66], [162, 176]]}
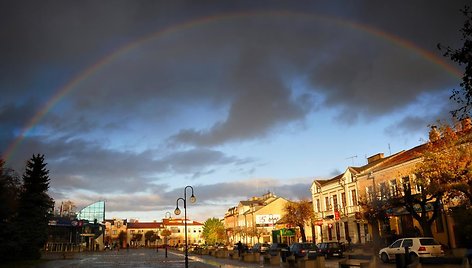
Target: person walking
{"points": [[240, 248]]}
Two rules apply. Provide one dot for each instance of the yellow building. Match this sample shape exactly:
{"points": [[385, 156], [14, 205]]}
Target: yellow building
{"points": [[252, 221], [336, 208], [113, 228]]}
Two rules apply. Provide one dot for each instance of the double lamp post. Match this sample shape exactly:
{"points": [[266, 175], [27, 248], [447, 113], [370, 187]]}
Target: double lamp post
{"points": [[177, 212]]}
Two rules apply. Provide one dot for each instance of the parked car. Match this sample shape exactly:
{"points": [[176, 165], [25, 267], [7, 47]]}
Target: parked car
{"points": [[300, 250], [277, 248], [330, 249], [260, 248], [418, 247]]}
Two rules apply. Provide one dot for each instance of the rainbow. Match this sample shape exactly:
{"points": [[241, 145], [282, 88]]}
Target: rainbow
{"points": [[92, 69]]}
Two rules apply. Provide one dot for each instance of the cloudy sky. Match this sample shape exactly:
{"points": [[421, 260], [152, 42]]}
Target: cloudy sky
{"points": [[130, 101]]}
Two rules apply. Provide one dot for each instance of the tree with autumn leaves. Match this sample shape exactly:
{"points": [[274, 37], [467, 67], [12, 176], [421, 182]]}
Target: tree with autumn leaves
{"points": [[447, 163], [213, 231], [299, 214], [445, 171]]}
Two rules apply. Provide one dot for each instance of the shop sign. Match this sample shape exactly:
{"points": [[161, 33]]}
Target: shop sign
{"points": [[287, 232], [319, 222], [267, 219], [336, 215]]}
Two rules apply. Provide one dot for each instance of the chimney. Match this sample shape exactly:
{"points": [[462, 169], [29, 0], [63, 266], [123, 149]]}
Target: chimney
{"points": [[374, 157], [434, 134]]}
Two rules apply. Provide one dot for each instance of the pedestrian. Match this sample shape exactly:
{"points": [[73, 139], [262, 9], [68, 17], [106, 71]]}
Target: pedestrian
{"points": [[240, 248]]}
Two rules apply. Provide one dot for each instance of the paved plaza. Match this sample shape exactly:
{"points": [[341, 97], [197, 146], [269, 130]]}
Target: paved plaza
{"points": [[140, 258], [143, 258]]}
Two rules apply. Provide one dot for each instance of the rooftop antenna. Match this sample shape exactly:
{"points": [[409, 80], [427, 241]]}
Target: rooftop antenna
{"points": [[352, 158], [389, 150]]}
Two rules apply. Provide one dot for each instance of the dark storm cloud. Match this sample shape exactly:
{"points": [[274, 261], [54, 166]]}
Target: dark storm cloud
{"points": [[162, 196], [192, 161], [12, 116], [245, 70], [86, 165], [264, 109], [365, 76]]}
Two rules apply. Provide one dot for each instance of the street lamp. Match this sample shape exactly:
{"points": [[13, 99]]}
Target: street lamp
{"points": [[165, 236], [177, 212]]}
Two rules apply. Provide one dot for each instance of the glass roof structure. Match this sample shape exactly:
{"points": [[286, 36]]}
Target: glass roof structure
{"points": [[95, 211]]}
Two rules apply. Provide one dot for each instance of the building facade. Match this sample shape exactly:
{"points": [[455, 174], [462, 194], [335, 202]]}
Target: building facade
{"points": [[254, 220], [144, 234], [177, 232]]}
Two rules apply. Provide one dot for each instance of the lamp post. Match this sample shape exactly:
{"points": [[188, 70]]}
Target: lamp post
{"points": [[177, 212], [165, 236], [272, 219]]}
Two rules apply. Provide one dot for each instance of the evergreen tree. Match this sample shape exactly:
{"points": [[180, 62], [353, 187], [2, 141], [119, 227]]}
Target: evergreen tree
{"points": [[9, 188], [34, 208]]}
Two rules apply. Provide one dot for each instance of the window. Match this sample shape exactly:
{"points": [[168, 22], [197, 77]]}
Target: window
{"points": [[407, 243], [396, 244], [369, 190], [393, 188], [354, 197], [335, 202], [318, 205], [383, 191], [343, 199], [406, 183], [327, 205]]}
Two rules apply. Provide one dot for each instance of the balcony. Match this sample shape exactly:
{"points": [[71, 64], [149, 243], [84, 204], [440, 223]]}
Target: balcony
{"points": [[346, 211]]}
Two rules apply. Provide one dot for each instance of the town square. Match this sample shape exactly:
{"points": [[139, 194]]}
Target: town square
{"points": [[235, 133]]}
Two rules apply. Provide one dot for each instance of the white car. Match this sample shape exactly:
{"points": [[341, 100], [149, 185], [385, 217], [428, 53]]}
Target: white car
{"points": [[418, 247]]}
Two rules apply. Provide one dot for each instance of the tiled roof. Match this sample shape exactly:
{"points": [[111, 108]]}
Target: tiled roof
{"points": [[402, 157], [358, 170], [179, 222], [145, 225], [252, 202]]}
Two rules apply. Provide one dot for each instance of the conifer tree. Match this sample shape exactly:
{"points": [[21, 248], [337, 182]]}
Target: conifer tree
{"points": [[9, 189], [34, 208]]}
